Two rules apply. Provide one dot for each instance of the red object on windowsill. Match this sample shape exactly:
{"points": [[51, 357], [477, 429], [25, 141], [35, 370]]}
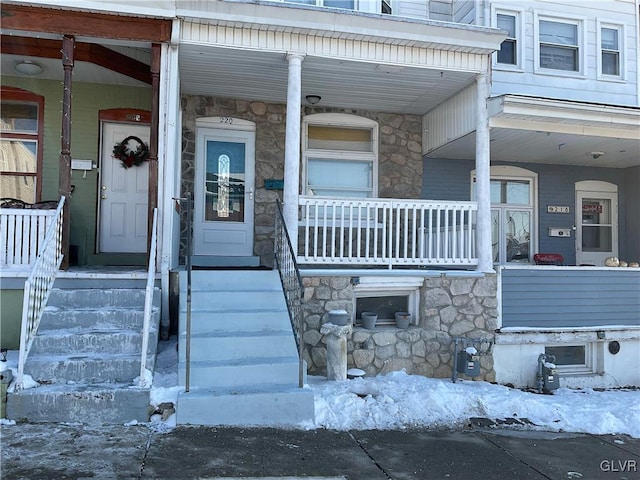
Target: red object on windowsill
{"points": [[548, 259]]}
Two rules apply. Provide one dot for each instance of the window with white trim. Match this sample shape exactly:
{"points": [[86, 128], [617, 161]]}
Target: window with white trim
{"points": [[385, 296], [559, 45], [513, 219], [340, 156], [610, 50], [508, 53], [572, 359]]}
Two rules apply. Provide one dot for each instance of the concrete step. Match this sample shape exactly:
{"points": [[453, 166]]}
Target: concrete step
{"points": [[229, 301], [222, 346], [203, 322], [69, 299], [52, 342], [101, 318], [234, 280], [86, 368], [272, 406], [90, 404], [240, 372], [226, 261]]}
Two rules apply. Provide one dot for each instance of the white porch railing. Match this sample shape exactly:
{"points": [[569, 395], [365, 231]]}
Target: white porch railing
{"points": [[386, 232], [148, 301], [22, 232], [38, 287]]}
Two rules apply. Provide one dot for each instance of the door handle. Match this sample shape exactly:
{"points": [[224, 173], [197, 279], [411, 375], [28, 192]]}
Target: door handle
{"points": [[251, 194], [103, 197], [104, 187]]}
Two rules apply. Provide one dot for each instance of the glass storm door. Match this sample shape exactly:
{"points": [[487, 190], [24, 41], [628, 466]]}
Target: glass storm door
{"points": [[223, 211], [597, 226]]}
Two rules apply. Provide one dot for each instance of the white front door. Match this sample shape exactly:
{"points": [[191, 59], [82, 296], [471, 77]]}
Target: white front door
{"points": [[123, 193], [596, 222], [224, 186]]}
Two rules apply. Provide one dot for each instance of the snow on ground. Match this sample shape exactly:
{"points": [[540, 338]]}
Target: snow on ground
{"points": [[398, 401]]}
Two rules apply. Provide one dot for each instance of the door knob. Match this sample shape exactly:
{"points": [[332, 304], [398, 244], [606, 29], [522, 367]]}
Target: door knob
{"points": [[104, 187], [103, 197], [251, 194]]}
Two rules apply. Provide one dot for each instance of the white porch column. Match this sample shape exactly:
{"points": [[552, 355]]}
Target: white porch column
{"points": [[292, 148], [483, 177]]}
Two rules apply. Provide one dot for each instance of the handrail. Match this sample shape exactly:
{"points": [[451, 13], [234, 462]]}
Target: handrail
{"points": [[37, 288], [292, 285], [148, 301]]}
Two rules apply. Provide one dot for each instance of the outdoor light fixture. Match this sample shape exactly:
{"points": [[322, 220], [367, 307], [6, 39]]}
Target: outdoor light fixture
{"points": [[596, 155], [313, 99], [27, 67]]}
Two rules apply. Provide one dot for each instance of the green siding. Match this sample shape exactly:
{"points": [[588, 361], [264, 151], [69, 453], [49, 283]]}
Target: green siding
{"points": [[10, 318], [88, 99]]}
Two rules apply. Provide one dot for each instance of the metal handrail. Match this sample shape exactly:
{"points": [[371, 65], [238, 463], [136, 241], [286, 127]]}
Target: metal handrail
{"points": [[37, 288], [292, 285], [148, 300], [188, 198]]}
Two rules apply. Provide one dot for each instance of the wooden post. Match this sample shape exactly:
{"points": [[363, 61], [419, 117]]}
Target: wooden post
{"points": [[153, 137], [64, 173]]}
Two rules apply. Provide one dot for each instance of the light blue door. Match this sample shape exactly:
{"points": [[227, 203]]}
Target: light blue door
{"points": [[224, 185]]}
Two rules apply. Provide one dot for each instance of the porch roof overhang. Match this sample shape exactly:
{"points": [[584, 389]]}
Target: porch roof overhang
{"points": [[551, 131], [352, 60]]}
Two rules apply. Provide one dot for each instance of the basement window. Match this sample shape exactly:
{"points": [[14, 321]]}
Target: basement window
{"points": [[572, 358], [386, 296]]}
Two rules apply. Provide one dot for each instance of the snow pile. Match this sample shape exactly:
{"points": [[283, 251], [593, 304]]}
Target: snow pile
{"points": [[398, 400]]}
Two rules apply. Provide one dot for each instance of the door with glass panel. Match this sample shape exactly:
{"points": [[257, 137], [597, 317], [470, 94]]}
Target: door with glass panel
{"points": [[596, 222], [224, 190]]}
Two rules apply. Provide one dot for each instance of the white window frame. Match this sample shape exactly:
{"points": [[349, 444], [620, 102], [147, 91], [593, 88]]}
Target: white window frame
{"points": [[389, 287], [346, 121], [508, 172], [358, 5], [519, 39], [600, 24], [589, 366], [580, 23]]}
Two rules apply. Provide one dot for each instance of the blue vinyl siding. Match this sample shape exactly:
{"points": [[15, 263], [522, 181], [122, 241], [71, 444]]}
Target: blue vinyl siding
{"points": [[446, 179], [552, 298]]}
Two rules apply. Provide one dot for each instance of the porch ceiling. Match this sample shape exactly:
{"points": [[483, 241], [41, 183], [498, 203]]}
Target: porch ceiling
{"points": [[259, 75], [543, 130]]}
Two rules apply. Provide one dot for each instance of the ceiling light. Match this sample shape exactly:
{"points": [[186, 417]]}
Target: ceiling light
{"points": [[596, 155], [27, 67], [313, 99]]}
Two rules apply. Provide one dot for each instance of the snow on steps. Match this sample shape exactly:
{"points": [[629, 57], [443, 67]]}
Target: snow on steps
{"points": [[244, 360], [85, 356]]}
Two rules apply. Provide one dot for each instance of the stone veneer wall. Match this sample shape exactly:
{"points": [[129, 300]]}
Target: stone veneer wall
{"points": [[400, 158], [450, 306]]}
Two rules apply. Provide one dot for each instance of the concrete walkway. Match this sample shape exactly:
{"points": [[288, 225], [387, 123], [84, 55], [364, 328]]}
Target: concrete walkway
{"points": [[57, 451]]}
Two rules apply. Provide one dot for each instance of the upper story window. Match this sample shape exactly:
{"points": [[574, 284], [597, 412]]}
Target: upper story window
{"points": [[559, 45], [610, 50], [21, 132], [340, 155], [508, 53], [371, 6]]}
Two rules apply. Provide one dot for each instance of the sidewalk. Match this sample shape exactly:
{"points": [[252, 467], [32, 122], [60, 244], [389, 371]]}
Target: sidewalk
{"points": [[56, 451]]}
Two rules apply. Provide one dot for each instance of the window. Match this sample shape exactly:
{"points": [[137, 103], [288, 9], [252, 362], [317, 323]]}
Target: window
{"points": [[610, 51], [340, 156], [574, 359], [508, 53], [512, 214], [559, 46], [386, 296], [21, 144]]}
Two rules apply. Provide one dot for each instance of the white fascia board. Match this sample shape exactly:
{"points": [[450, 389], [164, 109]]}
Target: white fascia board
{"points": [[535, 110], [139, 8], [347, 24]]}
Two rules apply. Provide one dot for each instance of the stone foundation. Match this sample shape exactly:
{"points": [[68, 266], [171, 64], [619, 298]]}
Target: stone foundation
{"points": [[451, 305]]}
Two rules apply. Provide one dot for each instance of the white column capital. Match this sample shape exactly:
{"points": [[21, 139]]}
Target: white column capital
{"points": [[295, 56]]}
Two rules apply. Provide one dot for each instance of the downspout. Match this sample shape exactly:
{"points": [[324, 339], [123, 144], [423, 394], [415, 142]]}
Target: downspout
{"points": [[64, 174]]}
